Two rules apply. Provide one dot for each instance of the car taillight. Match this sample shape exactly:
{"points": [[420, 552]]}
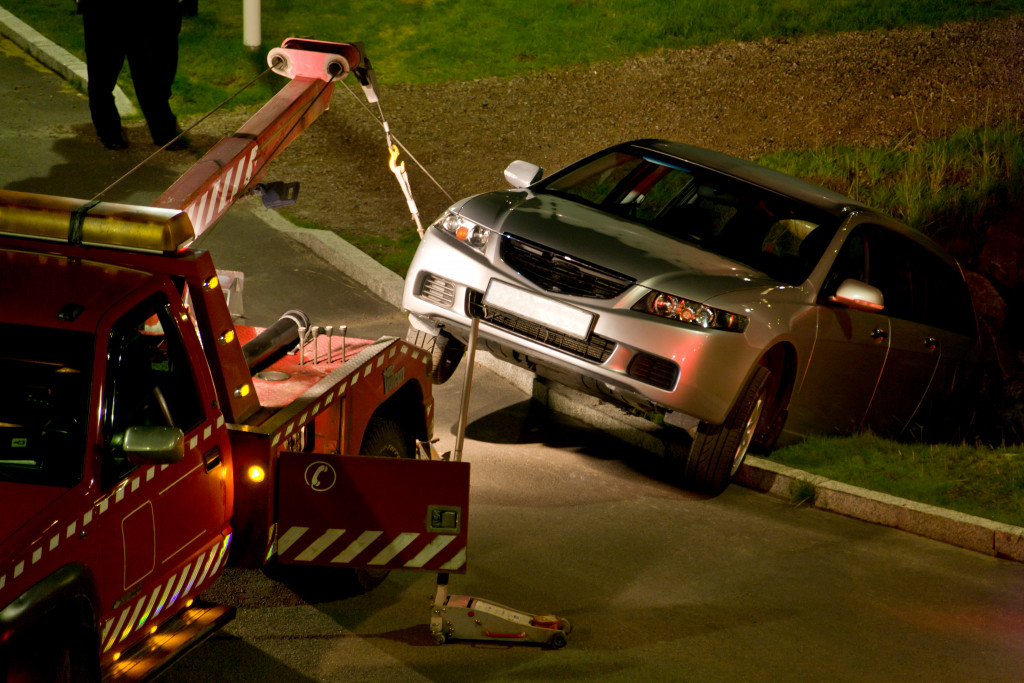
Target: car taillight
{"points": [[694, 313]]}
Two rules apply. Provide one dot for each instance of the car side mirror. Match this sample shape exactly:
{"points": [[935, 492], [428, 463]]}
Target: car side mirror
{"points": [[520, 174], [859, 296], [155, 445]]}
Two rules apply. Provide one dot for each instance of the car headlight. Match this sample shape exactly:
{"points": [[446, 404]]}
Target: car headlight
{"points": [[690, 312], [464, 230]]}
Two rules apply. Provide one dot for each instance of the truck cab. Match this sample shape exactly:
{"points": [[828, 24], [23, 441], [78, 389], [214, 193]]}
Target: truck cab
{"points": [[114, 452]]}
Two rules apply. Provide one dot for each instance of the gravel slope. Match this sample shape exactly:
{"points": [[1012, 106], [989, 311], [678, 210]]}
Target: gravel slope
{"points": [[871, 88]]}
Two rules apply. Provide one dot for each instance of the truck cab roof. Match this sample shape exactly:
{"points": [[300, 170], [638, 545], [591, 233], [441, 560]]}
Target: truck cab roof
{"points": [[51, 290]]}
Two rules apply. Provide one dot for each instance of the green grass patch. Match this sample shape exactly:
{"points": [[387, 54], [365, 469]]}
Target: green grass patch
{"points": [[986, 482], [429, 41], [943, 187]]}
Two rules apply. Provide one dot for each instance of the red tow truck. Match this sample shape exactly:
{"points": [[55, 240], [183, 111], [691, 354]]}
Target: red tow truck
{"points": [[146, 441]]}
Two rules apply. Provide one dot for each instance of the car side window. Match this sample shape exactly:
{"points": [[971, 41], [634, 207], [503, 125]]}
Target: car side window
{"points": [[889, 269], [850, 264], [941, 297], [917, 284], [152, 380]]}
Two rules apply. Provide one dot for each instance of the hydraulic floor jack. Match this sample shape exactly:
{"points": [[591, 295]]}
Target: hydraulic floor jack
{"points": [[461, 617]]}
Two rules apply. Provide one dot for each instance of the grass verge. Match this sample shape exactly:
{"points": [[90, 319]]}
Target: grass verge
{"points": [[985, 482], [943, 187]]}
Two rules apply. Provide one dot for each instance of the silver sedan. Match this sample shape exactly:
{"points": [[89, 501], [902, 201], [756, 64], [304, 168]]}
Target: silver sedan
{"points": [[727, 297]]}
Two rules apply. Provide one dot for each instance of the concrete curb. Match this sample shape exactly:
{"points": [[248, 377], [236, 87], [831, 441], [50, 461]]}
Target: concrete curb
{"points": [[53, 56], [966, 531], [974, 533]]}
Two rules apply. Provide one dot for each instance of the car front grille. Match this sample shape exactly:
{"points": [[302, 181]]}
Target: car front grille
{"points": [[595, 349], [438, 290], [560, 273]]}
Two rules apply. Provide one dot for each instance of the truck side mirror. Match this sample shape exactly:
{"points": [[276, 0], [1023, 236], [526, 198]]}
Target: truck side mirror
{"points": [[154, 445]]}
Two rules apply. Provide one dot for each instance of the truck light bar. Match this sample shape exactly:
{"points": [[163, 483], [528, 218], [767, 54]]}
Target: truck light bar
{"points": [[101, 224]]}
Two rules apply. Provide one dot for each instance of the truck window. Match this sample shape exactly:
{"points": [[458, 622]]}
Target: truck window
{"points": [[152, 380], [44, 405]]}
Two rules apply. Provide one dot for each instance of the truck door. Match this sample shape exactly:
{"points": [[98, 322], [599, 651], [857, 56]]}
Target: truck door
{"points": [[160, 520]]}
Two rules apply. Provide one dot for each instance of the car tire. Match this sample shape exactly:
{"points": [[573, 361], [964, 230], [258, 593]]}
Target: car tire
{"points": [[445, 352], [718, 450]]}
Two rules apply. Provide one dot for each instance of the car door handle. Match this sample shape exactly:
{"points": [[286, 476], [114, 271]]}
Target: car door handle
{"points": [[878, 334]]}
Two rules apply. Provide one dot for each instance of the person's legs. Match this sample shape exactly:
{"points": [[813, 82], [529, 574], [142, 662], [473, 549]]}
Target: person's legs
{"points": [[104, 58], [153, 60]]}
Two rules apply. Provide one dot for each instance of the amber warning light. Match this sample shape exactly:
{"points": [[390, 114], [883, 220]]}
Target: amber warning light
{"points": [[92, 223]]}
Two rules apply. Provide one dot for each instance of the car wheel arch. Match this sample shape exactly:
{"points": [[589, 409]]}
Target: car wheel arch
{"points": [[781, 360]]}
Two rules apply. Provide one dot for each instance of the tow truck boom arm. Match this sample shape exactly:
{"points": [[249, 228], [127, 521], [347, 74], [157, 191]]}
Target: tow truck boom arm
{"points": [[233, 165]]}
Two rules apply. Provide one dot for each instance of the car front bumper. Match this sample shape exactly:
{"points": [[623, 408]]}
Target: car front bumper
{"points": [[630, 356]]}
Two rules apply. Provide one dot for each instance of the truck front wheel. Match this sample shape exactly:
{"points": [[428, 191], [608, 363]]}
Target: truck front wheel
{"points": [[384, 437], [62, 653]]}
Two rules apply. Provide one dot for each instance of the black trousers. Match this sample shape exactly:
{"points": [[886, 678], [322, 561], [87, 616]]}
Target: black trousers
{"points": [[146, 35]]}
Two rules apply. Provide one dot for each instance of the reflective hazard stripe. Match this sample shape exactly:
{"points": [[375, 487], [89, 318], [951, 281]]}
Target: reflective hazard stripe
{"points": [[319, 545], [400, 543], [349, 554], [356, 551], [428, 553], [134, 615]]}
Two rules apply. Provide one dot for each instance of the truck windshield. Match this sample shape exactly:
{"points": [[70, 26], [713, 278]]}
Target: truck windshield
{"points": [[723, 215], [44, 404]]}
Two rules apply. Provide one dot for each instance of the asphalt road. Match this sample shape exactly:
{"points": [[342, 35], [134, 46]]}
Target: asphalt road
{"points": [[659, 583]]}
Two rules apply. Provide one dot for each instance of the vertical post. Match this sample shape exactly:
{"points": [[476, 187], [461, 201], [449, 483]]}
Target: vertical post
{"points": [[460, 434], [251, 24]]}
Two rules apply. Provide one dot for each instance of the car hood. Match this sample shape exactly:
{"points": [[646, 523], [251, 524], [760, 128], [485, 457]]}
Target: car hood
{"points": [[652, 259]]}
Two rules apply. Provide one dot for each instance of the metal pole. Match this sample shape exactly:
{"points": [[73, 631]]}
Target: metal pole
{"points": [[251, 24], [464, 412]]}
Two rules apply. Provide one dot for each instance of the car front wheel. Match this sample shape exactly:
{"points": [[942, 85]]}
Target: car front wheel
{"points": [[718, 450], [445, 352]]}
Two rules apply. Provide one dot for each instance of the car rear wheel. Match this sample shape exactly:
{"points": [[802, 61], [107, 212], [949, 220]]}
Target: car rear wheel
{"points": [[718, 450], [445, 352]]}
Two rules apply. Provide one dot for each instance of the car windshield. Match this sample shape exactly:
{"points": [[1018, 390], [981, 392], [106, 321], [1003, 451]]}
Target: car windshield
{"points": [[44, 405], [743, 222]]}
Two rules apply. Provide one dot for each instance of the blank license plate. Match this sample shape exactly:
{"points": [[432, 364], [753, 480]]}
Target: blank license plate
{"points": [[542, 310]]}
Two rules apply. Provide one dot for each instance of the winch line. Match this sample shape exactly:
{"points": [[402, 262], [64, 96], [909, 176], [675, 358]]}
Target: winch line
{"points": [[384, 126]]}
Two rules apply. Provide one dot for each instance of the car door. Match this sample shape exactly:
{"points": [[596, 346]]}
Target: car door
{"points": [[927, 320], [848, 354]]}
